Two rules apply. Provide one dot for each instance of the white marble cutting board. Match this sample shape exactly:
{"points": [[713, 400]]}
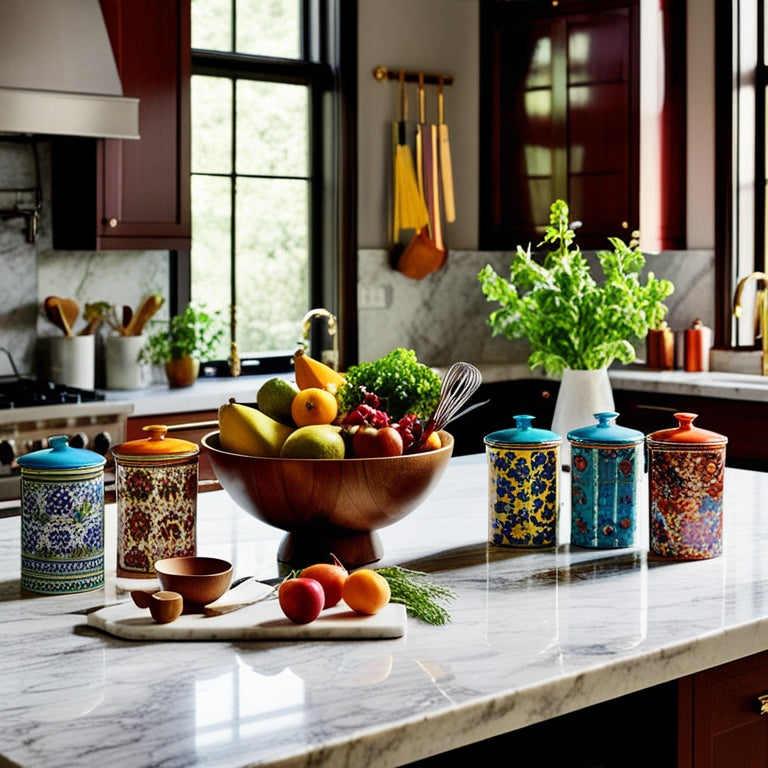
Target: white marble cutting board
{"points": [[261, 621]]}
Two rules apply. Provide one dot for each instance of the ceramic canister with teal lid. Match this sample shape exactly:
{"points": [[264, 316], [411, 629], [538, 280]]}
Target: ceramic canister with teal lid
{"points": [[62, 519], [604, 478], [524, 483]]}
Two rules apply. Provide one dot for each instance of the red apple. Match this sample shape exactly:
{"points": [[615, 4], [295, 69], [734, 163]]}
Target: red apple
{"points": [[301, 599], [369, 442]]}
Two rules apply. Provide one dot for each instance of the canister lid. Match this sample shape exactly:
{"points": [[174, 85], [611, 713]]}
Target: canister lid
{"points": [[61, 456], [606, 432], [156, 446], [523, 434], [685, 432]]}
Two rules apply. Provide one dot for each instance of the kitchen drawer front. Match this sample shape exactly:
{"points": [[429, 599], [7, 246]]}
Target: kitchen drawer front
{"points": [[728, 728]]}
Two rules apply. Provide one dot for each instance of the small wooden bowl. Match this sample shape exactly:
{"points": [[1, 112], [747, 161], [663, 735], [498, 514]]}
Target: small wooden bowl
{"points": [[199, 580], [166, 607]]}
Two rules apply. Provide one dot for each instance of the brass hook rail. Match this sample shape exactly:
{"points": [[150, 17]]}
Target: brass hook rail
{"points": [[382, 73]]}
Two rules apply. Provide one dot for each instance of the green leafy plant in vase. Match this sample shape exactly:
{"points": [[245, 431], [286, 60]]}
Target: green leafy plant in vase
{"points": [[571, 321], [190, 337]]}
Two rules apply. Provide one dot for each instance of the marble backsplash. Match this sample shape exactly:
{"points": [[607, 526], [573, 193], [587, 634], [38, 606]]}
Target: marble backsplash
{"points": [[32, 271], [444, 316]]}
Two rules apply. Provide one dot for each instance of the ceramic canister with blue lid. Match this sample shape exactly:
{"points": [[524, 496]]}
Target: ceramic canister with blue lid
{"points": [[524, 483], [604, 478], [62, 519]]}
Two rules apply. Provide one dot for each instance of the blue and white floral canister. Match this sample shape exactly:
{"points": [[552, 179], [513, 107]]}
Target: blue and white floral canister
{"points": [[523, 490], [604, 477], [62, 519]]}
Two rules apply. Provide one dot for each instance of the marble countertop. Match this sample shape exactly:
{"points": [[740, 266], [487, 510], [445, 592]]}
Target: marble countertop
{"points": [[209, 394], [534, 634]]}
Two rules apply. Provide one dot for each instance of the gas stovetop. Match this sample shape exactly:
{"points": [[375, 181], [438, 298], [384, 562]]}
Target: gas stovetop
{"points": [[23, 392]]}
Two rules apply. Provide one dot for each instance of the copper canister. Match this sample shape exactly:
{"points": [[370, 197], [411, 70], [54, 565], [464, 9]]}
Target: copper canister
{"points": [[698, 341], [660, 348], [686, 467], [524, 485], [156, 488]]}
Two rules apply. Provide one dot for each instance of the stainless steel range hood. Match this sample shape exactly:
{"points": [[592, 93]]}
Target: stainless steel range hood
{"points": [[58, 73]]}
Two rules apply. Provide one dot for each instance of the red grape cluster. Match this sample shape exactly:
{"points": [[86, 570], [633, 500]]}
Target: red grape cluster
{"points": [[367, 413], [411, 429]]}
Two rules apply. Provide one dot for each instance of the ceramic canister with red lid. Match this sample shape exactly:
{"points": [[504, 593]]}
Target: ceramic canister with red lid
{"points": [[686, 468], [156, 487]]}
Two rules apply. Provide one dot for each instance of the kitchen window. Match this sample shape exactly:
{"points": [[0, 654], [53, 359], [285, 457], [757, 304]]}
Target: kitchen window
{"points": [[267, 195]]}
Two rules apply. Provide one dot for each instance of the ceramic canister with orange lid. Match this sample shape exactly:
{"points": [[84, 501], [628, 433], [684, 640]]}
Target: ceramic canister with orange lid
{"points": [[686, 467], [156, 488]]}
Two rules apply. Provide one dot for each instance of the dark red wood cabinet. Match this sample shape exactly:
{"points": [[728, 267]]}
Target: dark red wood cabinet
{"points": [[111, 194], [720, 721], [560, 118]]}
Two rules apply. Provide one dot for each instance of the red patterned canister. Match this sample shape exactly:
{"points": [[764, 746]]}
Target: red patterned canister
{"points": [[156, 485], [686, 467]]}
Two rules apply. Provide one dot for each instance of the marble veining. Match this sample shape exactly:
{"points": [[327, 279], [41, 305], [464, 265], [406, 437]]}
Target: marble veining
{"points": [[533, 634]]}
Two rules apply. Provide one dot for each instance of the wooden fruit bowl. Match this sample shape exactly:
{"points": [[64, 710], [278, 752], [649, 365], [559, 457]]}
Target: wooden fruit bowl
{"points": [[328, 505]]}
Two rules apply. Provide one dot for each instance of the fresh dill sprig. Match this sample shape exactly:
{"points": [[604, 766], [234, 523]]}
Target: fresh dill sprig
{"points": [[419, 593]]}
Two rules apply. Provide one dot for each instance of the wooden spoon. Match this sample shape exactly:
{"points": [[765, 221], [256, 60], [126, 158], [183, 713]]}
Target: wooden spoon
{"points": [[141, 316], [71, 311], [55, 313]]}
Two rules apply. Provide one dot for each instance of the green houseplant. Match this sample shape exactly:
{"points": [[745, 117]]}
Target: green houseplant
{"points": [[180, 346], [575, 326], [569, 319]]}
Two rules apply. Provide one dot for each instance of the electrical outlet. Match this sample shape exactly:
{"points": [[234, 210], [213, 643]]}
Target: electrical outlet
{"points": [[372, 297]]}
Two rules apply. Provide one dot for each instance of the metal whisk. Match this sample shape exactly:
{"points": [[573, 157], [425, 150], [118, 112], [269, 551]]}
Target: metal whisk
{"points": [[460, 383]]}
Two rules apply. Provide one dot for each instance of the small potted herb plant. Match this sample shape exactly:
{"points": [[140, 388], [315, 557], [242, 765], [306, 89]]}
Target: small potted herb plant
{"points": [[190, 337]]}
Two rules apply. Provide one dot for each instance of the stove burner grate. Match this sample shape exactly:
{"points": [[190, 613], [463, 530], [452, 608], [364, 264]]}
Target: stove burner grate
{"points": [[25, 392]]}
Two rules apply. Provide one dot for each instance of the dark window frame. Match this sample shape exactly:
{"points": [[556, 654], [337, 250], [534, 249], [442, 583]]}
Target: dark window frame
{"points": [[329, 66]]}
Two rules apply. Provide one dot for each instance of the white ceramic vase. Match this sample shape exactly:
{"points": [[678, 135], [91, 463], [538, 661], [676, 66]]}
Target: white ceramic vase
{"points": [[582, 394]]}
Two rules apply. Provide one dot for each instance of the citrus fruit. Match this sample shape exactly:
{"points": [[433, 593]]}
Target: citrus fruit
{"points": [[366, 591], [275, 397], [316, 441], [314, 406], [331, 577]]}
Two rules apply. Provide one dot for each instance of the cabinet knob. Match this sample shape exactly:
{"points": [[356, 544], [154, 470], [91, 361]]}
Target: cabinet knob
{"points": [[762, 704], [112, 223]]}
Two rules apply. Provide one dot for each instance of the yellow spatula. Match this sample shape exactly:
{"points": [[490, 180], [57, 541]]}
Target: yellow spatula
{"points": [[446, 167]]}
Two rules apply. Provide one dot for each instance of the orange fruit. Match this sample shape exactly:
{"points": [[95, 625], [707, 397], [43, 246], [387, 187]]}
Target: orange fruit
{"points": [[314, 406], [366, 591], [432, 443]]}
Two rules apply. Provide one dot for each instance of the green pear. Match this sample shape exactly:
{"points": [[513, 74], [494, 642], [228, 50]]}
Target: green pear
{"points": [[316, 441], [246, 430], [275, 397]]}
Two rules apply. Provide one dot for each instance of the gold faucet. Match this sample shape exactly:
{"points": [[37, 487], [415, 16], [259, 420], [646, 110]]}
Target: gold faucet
{"points": [[329, 356], [761, 311]]}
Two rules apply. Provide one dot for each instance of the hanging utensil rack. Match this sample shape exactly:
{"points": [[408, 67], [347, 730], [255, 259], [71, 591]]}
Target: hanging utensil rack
{"points": [[382, 73]]}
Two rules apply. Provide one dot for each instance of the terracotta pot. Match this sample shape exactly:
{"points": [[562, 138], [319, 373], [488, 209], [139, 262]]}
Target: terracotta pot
{"points": [[182, 372]]}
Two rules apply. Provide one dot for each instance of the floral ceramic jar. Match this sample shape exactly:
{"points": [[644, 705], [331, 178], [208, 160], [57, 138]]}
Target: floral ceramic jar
{"points": [[62, 519], [604, 475], [523, 491], [686, 467], [156, 487]]}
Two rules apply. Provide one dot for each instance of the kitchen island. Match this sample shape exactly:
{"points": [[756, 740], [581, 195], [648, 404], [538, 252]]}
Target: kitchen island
{"points": [[534, 635]]}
